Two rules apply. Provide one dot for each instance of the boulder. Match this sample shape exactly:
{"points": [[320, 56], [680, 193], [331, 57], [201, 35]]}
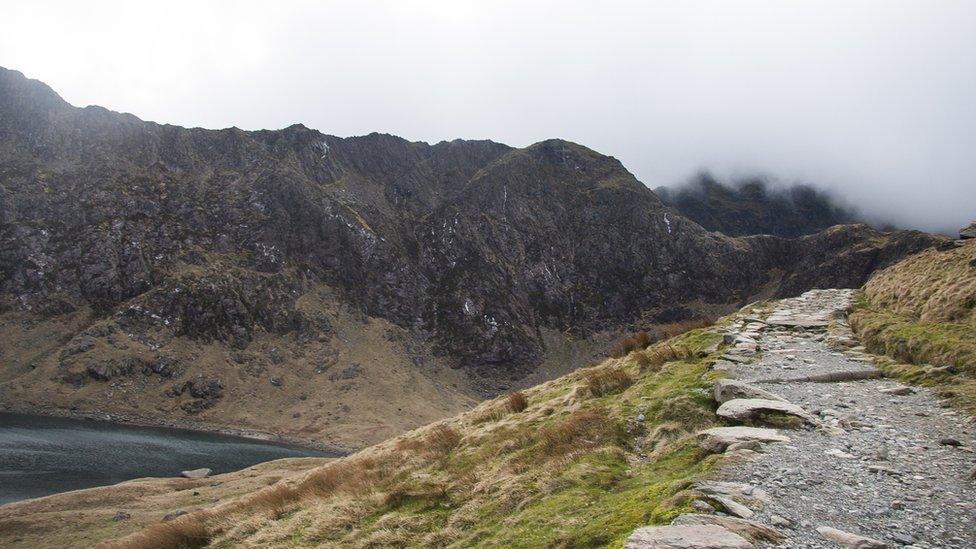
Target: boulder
{"points": [[846, 539], [743, 409], [752, 531], [717, 439], [196, 473], [731, 389], [706, 536], [968, 231]]}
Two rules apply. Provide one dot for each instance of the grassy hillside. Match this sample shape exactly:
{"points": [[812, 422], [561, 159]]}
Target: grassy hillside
{"points": [[578, 461], [921, 312], [83, 518]]}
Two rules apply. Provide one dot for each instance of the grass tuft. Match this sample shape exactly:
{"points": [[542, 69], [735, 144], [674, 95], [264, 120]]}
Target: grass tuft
{"points": [[603, 381], [278, 499], [517, 402], [675, 329], [442, 439], [186, 532], [582, 429], [637, 341]]}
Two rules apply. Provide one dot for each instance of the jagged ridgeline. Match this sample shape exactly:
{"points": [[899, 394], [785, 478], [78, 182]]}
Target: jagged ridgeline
{"points": [[339, 289]]}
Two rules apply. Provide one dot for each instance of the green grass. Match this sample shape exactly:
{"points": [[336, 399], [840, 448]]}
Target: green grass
{"points": [[574, 469], [914, 347], [605, 501]]}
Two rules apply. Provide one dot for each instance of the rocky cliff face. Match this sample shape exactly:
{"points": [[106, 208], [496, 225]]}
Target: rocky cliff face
{"points": [[133, 251], [753, 207]]}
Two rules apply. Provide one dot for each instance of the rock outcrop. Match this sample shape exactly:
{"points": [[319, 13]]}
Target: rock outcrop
{"points": [[746, 409], [731, 389], [717, 439], [968, 231]]}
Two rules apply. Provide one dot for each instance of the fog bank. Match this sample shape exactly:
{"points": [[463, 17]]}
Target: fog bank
{"points": [[871, 100]]}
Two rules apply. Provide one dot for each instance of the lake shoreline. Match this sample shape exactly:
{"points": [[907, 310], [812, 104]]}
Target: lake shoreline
{"points": [[142, 421]]}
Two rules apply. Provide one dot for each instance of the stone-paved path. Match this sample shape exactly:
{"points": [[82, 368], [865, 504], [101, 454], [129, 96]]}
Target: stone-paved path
{"points": [[885, 466], [868, 462]]}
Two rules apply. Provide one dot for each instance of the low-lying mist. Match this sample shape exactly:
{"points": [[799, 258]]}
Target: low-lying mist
{"points": [[762, 205]]}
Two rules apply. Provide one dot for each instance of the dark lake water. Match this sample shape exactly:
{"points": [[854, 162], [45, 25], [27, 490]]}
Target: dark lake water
{"points": [[41, 455]]}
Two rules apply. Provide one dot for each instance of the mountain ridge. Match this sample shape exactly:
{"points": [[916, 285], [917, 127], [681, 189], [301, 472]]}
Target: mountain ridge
{"points": [[167, 272]]}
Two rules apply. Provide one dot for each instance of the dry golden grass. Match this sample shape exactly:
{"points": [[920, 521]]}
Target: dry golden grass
{"points": [[641, 340], [652, 358], [675, 329], [278, 500], [186, 532], [931, 286], [922, 313], [634, 342], [602, 381], [442, 439], [353, 476], [516, 401], [582, 429]]}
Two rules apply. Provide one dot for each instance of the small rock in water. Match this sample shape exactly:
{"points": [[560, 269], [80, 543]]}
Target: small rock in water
{"points": [[196, 473]]}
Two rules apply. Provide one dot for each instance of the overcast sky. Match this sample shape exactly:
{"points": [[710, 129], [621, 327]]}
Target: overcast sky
{"points": [[875, 100]]}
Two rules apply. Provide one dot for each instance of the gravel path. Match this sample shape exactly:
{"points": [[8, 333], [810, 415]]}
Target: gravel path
{"points": [[892, 467]]}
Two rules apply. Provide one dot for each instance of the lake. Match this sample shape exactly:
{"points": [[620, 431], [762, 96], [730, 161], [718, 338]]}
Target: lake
{"points": [[44, 455]]}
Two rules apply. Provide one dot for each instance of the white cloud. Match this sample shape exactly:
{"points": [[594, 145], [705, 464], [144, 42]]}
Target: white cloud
{"points": [[871, 99]]}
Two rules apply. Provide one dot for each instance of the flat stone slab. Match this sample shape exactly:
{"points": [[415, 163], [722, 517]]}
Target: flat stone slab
{"points": [[731, 389], [733, 489], [738, 359], [705, 536], [742, 409], [751, 530], [799, 323], [717, 439]]}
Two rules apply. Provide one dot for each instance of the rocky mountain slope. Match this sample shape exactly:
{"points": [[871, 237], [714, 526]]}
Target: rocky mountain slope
{"points": [[752, 206], [339, 289]]}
